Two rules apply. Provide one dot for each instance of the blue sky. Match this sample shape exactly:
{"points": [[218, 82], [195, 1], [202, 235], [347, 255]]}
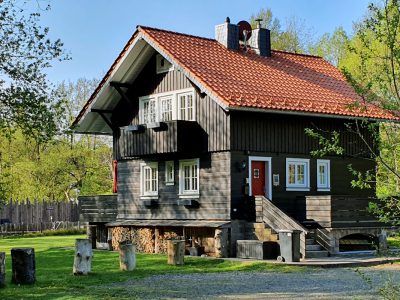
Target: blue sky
{"points": [[95, 31]]}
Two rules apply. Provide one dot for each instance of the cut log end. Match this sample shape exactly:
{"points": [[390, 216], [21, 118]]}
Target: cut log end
{"points": [[83, 257]]}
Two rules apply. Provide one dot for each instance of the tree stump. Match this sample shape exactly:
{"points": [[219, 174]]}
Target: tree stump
{"points": [[23, 265], [2, 269], [83, 257], [176, 252], [127, 256]]}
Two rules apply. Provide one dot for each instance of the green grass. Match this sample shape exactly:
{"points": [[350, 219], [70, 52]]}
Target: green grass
{"points": [[72, 231], [54, 270], [394, 241]]}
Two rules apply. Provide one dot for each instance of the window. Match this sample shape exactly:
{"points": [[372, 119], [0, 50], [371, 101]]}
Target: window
{"points": [[148, 110], [189, 177], [323, 175], [297, 174], [186, 106], [169, 173], [167, 107], [149, 179]]}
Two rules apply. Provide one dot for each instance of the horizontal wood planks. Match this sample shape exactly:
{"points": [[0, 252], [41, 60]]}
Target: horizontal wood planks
{"points": [[98, 208], [214, 200], [338, 211]]}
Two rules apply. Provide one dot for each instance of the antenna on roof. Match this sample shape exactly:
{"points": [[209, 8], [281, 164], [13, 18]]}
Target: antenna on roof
{"points": [[244, 32]]}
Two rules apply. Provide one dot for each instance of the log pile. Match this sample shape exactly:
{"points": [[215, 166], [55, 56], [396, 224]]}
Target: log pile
{"points": [[142, 238], [162, 237]]}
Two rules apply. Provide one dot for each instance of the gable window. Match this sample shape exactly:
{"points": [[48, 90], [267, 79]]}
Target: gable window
{"points": [[297, 174], [323, 175], [164, 107], [186, 106], [169, 173], [189, 177], [149, 179], [163, 65]]}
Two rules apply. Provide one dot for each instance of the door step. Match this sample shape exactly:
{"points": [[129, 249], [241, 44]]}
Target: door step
{"points": [[317, 254]]}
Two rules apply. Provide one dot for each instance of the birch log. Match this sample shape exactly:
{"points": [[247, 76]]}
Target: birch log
{"points": [[176, 252], [23, 266], [83, 257], [127, 256], [2, 269]]}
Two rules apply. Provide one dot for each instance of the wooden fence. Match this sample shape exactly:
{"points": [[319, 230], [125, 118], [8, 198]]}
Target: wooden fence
{"points": [[17, 216]]}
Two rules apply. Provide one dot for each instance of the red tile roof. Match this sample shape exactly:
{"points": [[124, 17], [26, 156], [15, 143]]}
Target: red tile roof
{"points": [[283, 82]]}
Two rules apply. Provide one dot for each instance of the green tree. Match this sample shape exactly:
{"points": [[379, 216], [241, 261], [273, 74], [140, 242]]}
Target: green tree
{"points": [[295, 37], [27, 100]]}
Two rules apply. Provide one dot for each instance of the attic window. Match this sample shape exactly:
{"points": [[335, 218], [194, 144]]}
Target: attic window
{"points": [[163, 65]]}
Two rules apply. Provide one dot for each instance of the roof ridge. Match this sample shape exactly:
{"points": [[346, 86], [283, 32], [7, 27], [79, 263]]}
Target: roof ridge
{"points": [[174, 32], [300, 54]]}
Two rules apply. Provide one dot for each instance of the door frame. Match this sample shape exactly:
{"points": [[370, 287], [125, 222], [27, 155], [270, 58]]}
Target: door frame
{"points": [[268, 173]]}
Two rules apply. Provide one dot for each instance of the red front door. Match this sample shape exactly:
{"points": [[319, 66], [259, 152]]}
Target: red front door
{"points": [[258, 178]]}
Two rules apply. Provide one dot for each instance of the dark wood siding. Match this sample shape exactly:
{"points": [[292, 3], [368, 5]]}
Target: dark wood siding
{"points": [[340, 211], [293, 202], [213, 120], [215, 191], [279, 133]]}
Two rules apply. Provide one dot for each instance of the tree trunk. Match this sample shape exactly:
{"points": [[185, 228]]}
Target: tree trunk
{"points": [[83, 257], [127, 256], [91, 235], [23, 265], [176, 252], [2, 269]]}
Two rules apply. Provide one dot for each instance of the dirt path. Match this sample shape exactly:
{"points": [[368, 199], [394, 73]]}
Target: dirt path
{"points": [[311, 284]]}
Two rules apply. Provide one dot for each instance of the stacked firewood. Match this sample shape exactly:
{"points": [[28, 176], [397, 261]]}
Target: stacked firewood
{"points": [[162, 240], [143, 239], [120, 234]]}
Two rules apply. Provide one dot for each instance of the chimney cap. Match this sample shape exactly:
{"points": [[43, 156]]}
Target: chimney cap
{"points": [[258, 21], [227, 20]]}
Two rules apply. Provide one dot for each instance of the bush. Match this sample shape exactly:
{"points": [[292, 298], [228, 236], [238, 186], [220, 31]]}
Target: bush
{"points": [[70, 231]]}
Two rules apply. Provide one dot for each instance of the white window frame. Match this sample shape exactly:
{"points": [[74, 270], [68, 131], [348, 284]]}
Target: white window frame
{"points": [[158, 98], [143, 193], [296, 186], [142, 102], [168, 179], [188, 193], [327, 186], [186, 94]]}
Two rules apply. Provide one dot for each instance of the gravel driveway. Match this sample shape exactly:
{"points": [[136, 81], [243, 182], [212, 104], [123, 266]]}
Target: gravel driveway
{"points": [[310, 284]]}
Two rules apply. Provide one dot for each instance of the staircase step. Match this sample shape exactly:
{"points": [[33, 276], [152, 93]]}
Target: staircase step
{"points": [[314, 247], [310, 242], [316, 254]]}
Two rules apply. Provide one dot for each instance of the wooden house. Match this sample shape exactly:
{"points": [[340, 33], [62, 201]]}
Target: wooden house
{"points": [[209, 142]]}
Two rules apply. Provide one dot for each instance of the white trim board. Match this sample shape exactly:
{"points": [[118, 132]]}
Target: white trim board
{"points": [[264, 159]]}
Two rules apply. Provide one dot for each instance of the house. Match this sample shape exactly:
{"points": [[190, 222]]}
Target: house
{"points": [[209, 143]]}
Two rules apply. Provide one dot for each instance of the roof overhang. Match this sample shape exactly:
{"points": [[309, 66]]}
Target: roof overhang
{"points": [[107, 98], [308, 114], [170, 223]]}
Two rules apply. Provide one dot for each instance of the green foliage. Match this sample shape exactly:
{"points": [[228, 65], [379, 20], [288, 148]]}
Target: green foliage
{"points": [[363, 180], [295, 37], [56, 170], [329, 142], [55, 279], [27, 100], [57, 232]]}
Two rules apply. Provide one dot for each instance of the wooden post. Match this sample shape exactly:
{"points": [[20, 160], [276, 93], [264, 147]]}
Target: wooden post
{"points": [[91, 234], [176, 252], [127, 256], [221, 242], [2, 269], [83, 257], [23, 266]]}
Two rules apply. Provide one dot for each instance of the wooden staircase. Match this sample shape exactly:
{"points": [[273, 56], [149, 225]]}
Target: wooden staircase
{"points": [[270, 220]]}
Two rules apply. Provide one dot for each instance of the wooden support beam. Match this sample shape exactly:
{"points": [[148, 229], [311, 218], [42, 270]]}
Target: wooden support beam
{"points": [[102, 115], [122, 94]]}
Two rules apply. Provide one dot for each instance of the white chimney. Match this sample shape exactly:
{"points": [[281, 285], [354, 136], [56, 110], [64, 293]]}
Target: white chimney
{"points": [[227, 34], [260, 41]]}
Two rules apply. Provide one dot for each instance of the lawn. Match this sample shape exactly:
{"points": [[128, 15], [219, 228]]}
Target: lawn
{"points": [[54, 260]]}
